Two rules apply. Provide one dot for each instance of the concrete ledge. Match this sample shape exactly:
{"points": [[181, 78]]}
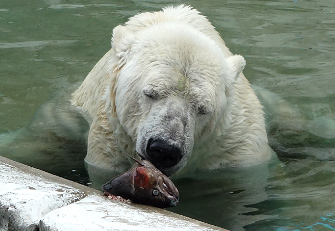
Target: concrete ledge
{"points": [[31, 199]]}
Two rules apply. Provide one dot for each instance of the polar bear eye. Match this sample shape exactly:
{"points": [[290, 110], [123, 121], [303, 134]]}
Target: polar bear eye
{"points": [[202, 110], [150, 93]]}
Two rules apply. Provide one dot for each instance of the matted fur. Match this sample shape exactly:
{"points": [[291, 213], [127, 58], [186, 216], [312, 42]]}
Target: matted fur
{"points": [[177, 58]]}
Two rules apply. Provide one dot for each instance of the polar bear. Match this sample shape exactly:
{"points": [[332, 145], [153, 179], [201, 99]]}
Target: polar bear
{"points": [[168, 90]]}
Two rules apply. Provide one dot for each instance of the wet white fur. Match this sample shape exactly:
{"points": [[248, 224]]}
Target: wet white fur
{"points": [[178, 54]]}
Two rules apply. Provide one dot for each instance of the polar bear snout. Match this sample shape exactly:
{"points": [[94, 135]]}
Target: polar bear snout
{"points": [[162, 154]]}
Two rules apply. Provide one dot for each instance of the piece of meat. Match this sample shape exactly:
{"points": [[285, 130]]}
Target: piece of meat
{"points": [[144, 184]]}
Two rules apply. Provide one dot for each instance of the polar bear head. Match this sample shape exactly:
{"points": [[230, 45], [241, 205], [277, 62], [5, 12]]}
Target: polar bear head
{"points": [[171, 90]]}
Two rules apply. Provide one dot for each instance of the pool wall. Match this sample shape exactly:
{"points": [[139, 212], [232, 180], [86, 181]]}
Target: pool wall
{"points": [[31, 199]]}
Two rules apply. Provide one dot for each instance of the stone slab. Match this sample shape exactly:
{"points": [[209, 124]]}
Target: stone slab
{"points": [[97, 213], [26, 197]]}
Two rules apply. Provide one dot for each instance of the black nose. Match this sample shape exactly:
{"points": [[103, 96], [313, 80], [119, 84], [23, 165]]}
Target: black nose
{"points": [[162, 154]]}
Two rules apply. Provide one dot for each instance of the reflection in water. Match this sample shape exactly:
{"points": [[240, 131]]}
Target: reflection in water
{"points": [[46, 46], [293, 195], [222, 197], [300, 192]]}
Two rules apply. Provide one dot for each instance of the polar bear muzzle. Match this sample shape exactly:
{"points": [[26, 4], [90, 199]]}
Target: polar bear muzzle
{"points": [[165, 137], [163, 154]]}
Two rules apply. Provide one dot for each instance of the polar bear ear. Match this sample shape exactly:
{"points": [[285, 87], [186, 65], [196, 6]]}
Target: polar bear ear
{"points": [[237, 62], [122, 40]]}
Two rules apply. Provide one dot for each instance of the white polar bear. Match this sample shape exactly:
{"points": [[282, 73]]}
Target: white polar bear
{"points": [[168, 90], [171, 90]]}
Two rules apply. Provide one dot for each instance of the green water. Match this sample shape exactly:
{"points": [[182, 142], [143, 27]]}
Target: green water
{"points": [[289, 46]]}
